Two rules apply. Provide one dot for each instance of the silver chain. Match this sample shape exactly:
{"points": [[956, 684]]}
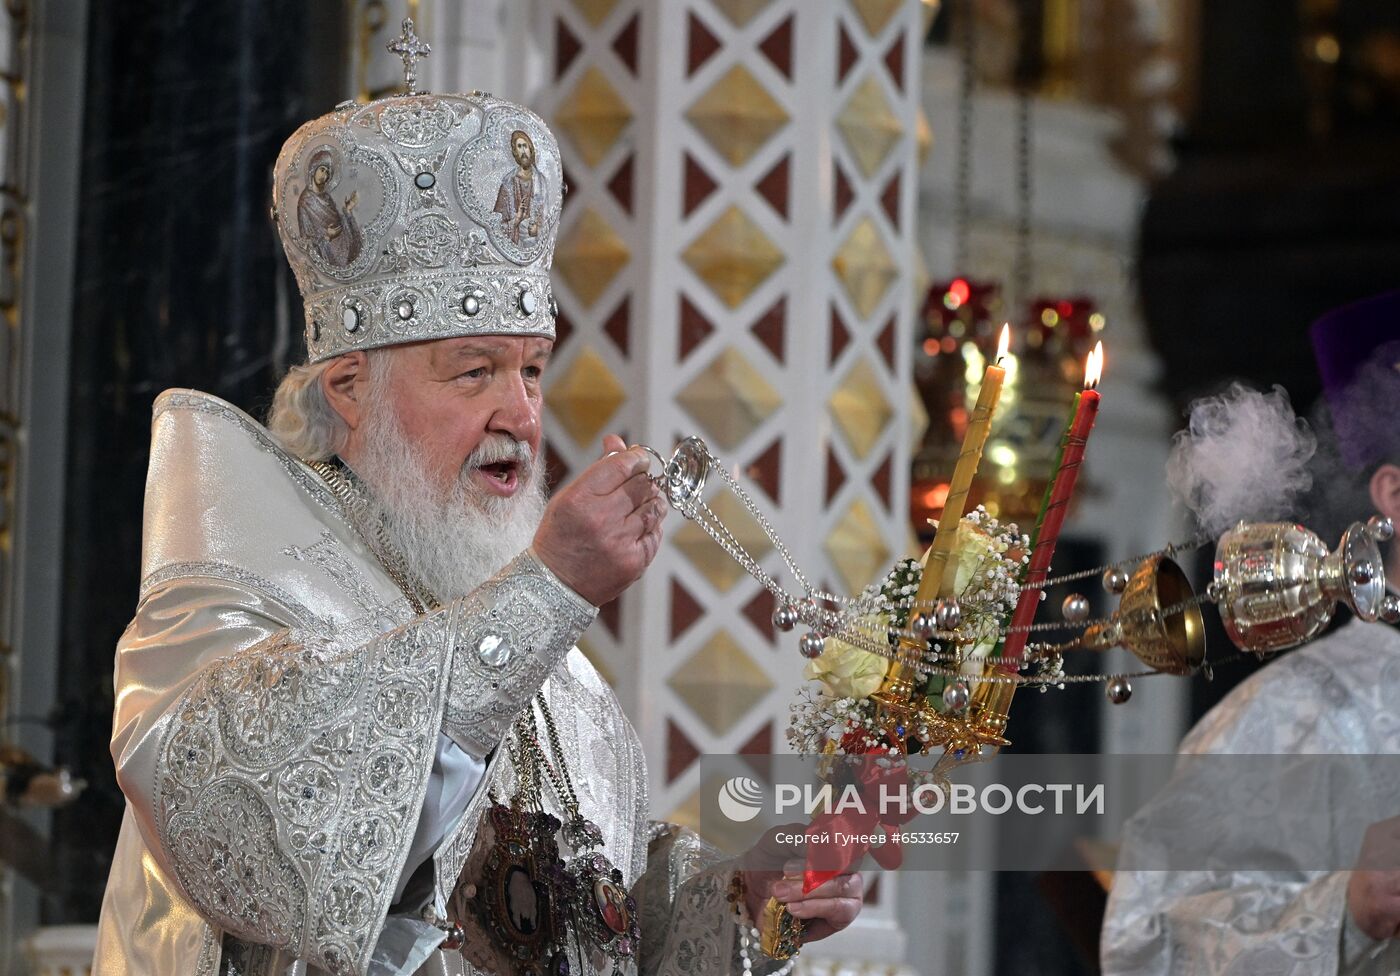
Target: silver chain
{"points": [[848, 618]]}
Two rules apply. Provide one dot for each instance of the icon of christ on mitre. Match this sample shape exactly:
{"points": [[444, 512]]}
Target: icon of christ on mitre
{"points": [[352, 727]]}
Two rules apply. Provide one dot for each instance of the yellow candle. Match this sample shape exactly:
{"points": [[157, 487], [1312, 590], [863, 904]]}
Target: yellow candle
{"points": [[899, 679], [937, 581]]}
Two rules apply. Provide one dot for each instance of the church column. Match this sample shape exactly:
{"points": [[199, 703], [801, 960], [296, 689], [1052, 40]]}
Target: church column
{"points": [[737, 261]]}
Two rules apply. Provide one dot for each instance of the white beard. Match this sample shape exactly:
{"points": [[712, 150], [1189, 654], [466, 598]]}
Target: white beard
{"points": [[453, 539]]}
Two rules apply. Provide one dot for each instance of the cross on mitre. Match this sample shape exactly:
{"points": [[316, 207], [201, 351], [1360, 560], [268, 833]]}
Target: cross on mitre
{"points": [[410, 48]]}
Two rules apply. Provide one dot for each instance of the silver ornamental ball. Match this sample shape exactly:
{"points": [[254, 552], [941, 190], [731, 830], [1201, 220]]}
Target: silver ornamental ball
{"points": [[471, 305], [1390, 609], [922, 626], [1381, 528], [956, 696], [785, 617], [948, 614], [1119, 689], [405, 310], [811, 645], [1115, 579], [1075, 608]]}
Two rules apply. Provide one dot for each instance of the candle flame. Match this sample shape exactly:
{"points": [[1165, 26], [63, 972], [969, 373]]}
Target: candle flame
{"points": [[1093, 367], [1004, 343]]}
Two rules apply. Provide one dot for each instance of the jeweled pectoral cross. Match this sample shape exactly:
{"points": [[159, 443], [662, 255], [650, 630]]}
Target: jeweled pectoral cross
{"points": [[410, 48]]}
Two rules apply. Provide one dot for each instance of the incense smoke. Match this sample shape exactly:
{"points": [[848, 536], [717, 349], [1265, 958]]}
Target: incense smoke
{"points": [[1244, 455]]}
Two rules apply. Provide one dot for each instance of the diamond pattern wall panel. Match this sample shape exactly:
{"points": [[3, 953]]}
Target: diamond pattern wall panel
{"points": [[923, 136], [595, 11], [865, 267], [720, 682], [736, 115], [729, 399], [706, 555], [860, 408], [768, 194], [602, 51], [733, 256], [590, 255], [869, 125], [856, 547], [585, 397], [593, 115], [876, 14], [740, 12]]}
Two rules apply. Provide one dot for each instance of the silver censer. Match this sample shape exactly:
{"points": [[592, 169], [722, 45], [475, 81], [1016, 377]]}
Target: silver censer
{"points": [[1276, 585]]}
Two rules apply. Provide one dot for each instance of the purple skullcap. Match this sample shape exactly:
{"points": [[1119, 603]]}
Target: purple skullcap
{"points": [[1357, 348]]}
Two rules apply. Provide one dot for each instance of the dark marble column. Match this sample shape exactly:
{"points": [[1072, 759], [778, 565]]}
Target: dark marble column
{"points": [[179, 282]]}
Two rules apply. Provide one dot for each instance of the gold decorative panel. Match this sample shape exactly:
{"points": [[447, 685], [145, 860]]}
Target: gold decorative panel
{"points": [[737, 115], [585, 397], [720, 683], [729, 398], [869, 125], [706, 555], [733, 256], [589, 256], [876, 14], [865, 267], [856, 547], [741, 11], [595, 11], [593, 115], [860, 408]]}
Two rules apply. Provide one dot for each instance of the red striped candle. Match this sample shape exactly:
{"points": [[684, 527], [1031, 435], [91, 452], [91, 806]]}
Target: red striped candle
{"points": [[1052, 515]]}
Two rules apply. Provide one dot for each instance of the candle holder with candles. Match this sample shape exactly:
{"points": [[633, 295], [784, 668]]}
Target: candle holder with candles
{"points": [[936, 652], [929, 660], [960, 334]]}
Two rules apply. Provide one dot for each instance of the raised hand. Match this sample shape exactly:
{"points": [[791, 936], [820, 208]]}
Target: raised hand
{"points": [[603, 529]]}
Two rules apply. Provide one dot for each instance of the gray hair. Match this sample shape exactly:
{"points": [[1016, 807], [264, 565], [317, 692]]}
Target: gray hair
{"points": [[303, 420]]}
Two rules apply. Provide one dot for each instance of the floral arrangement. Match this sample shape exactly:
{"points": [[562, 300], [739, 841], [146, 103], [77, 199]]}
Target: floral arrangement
{"points": [[835, 713]]}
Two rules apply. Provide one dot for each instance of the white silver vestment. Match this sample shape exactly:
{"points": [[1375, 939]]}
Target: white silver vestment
{"points": [[278, 706], [1337, 695]]}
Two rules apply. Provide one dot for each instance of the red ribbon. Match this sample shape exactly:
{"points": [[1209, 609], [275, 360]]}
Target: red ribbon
{"points": [[857, 822]]}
